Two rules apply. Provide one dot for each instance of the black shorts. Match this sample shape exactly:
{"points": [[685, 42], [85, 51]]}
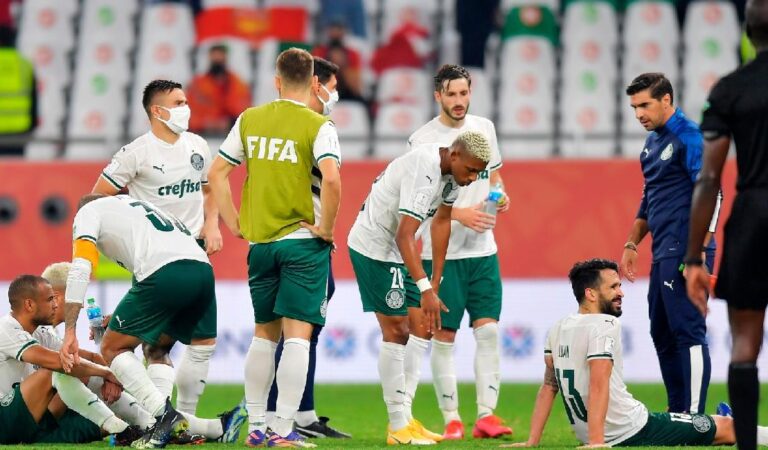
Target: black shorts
{"points": [[743, 277]]}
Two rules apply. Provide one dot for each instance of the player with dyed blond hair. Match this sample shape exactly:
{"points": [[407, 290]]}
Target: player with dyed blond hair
{"points": [[471, 279], [421, 184]]}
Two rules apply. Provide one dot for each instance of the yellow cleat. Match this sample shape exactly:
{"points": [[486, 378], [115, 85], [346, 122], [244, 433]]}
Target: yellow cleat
{"points": [[420, 429], [407, 436]]}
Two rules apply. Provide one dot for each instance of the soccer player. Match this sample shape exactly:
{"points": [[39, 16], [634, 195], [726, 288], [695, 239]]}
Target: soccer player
{"points": [[288, 212], [42, 404], [421, 184], [583, 357], [168, 166], [471, 279], [738, 110], [670, 162], [172, 293], [324, 97]]}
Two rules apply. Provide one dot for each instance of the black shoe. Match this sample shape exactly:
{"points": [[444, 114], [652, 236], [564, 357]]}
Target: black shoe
{"points": [[320, 429], [187, 438], [126, 437], [167, 427]]}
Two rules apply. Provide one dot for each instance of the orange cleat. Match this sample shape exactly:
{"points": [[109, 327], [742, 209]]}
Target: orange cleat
{"points": [[454, 431], [490, 427]]}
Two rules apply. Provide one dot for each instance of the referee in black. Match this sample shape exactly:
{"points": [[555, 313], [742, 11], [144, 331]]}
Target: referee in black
{"points": [[738, 108]]}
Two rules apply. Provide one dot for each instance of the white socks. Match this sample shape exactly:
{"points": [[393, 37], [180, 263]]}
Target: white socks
{"points": [[444, 375], [259, 373], [210, 428], [291, 379], [306, 418], [392, 374], [162, 377], [80, 399], [487, 377], [131, 373], [191, 374], [126, 407], [415, 350]]}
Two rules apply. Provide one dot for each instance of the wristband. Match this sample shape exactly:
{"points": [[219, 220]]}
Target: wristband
{"points": [[631, 246], [697, 261], [424, 284]]}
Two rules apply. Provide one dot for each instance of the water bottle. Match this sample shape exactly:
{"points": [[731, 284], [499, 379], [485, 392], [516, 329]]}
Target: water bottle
{"points": [[493, 199], [95, 319]]}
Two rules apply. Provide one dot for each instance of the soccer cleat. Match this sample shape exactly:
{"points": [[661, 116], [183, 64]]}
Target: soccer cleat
{"points": [[167, 427], [420, 429], [490, 427], [126, 437], [256, 439], [292, 440], [187, 438], [724, 409], [407, 436], [321, 429], [454, 431], [232, 421]]}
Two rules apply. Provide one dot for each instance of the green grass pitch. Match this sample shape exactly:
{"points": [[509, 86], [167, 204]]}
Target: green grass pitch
{"points": [[359, 409]]}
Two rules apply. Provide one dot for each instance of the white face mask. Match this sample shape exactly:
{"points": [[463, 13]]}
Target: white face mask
{"points": [[179, 120], [333, 98]]}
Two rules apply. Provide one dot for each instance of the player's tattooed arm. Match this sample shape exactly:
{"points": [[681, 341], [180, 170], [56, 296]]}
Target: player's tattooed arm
{"points": [[71, 312], [550, 379]]}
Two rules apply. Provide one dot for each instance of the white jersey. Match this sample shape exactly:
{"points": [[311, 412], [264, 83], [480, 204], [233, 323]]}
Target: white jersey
{"points": [[411, 185], [573, 342], [14, 341], [464, 243], [135, 234], [170, 176]]}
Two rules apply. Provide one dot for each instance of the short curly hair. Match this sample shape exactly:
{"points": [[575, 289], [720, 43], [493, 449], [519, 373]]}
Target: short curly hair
{"points": [[57, 273], [476, 144]]}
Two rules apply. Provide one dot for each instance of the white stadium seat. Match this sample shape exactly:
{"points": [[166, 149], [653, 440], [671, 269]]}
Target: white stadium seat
{"points": [[98, 105], [208, 4], [587, 115], [265, 72], [394, 124], [397, 12], [354, 128], [715, 19], [161, 22], [646, 19], [405, 85], [525, 54], [47, 22], [104, 19], [584, 21], [482, 93]]}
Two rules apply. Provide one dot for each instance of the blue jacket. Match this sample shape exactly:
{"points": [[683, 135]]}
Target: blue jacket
{"points": [[671, 161]]}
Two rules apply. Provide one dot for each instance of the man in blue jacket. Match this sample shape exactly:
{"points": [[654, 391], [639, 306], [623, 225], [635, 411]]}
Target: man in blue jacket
{"points": [[670, 160]]}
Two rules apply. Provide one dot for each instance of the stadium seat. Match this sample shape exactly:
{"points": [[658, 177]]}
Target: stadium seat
{"points": [[482, 93], [51, 64], [651, 19], [530, 21], [703, 65], [91, 151], [507, 5], [712, 19], [102, 20], [404, 85], [354, 128], [265, 72], [101, 56], [238, 58], [590, 21], [396, 12], [587, 115], [208, 4], [41, 151], [98, 105], [47, 22], [650, 55], [169, 21], [163, 60], [51, 112], [394, 124], [525, 55]]}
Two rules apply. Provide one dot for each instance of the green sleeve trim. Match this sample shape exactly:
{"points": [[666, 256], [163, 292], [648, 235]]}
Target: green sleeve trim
{"points": [[412, 214], [87, 237], [449, 203], [600, 356], [111, 181], [547, 352], [496, 167], [328, 155], [204, 182], [229, 159], [25, 347]]}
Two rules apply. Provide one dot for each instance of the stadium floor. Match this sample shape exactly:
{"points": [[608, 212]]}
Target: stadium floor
{"points": [[358, 409]]}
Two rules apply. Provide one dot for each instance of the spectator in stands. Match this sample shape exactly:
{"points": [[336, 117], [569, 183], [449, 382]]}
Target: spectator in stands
{"points": [[17, 87], [352, 12], [475, 21], [407, 46], [217, 97], [338, 52]]}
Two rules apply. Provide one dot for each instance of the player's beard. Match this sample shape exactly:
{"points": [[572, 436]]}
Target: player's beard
{"points": [[450, 113], [608, 307]]}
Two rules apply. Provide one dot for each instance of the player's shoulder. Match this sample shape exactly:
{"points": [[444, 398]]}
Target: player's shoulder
{"points": [[479, 122], [138, 146], [424, 132], [194, 138], [604, 322]]}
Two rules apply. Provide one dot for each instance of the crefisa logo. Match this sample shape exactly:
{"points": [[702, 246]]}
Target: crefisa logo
{"points": [[339, 342], [517, 341]]}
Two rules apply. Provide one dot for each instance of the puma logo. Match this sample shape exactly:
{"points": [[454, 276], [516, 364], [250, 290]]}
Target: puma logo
{"points": [[669, 284], [449, 396], [93, 401], [494, 389], [119, 322], [400, 392], [428, 178], [161, 168]]}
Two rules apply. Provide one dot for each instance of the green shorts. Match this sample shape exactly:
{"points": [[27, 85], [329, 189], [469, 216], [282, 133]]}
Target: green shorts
{"points": [[289, 278], [19, 427], [173, 301], [674, 429], [471, 284], [385, 287]]}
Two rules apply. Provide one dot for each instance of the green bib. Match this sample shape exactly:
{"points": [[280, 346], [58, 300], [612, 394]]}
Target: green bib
{"points": [[278, 138]]}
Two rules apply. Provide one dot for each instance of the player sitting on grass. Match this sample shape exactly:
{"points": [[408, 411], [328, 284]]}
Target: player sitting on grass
{"points": [[583, 358]]}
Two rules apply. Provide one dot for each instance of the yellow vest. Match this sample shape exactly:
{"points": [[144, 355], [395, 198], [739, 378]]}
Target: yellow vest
{"points": [[16, 91]]}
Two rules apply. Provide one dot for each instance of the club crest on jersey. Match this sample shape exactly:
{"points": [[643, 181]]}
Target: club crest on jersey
{"points": [[395, 298], [701, 423], [197, 161], [667, 153], [8, 399]]}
